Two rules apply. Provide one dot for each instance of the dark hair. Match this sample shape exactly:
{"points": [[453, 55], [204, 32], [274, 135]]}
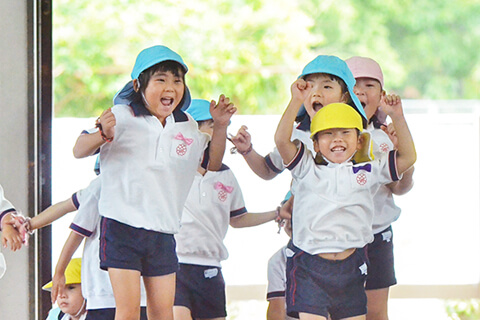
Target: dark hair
{"points": [[202, 122], [303, 118], [172, 66]]}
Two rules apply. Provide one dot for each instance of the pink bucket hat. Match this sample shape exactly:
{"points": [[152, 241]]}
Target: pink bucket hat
{"points": [[362, 67]]}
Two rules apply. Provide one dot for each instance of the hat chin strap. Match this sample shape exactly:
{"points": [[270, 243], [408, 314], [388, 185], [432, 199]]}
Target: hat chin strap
{"points": [[145, 99], [81, 309]]}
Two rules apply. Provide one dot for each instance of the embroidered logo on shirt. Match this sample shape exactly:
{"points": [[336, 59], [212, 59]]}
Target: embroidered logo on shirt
{"points": [[223, 191], [363, 268], [182, 148], [361, 179], [387, 236], [210, 273], [384, 147]]}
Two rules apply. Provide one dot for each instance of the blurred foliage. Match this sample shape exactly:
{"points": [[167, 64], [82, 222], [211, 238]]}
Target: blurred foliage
{"points": [[252, 50], [463, 309]]}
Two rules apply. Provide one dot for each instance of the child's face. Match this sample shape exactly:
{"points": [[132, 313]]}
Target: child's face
{"points": [[338, 144], [206, 127], [163, 93], [72, 300], [324, 91], [369, 92]]}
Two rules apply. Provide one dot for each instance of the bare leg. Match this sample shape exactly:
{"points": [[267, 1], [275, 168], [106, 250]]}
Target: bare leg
{"points": [[126, 290], [181, 313], [160, 296], [309, 316], [377, 304]]}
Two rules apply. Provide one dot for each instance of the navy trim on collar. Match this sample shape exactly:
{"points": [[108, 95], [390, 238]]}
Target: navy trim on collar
{"points": [[139, 109], [179, 116]]}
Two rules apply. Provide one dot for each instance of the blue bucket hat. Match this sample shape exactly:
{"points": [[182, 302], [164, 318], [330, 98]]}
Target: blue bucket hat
{"points": [[199, 110], [146, 59], [337, 67]]}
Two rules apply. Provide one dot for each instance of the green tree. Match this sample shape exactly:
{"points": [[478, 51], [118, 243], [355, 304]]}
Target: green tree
{"points": [[252, 50]]}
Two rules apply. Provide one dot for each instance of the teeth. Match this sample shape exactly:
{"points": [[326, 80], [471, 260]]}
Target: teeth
{"points": [[167, 101]]}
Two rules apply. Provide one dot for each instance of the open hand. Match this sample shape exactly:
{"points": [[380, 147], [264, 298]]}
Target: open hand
{"points": [[222, 111]]}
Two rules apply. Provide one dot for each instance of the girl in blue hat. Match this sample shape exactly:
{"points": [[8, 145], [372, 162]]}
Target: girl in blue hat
{"points": [[149, 153]]}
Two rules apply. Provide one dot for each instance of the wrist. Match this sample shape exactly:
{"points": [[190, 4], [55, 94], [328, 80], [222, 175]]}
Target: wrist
{"points": [[102, 133], [249, 149]]}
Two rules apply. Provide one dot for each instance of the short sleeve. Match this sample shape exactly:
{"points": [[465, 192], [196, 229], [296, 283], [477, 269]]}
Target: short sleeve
{"points": [[276, 274], [87, 217]]}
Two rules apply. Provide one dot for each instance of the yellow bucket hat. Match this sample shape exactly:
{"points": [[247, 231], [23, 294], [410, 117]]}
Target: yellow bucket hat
{"points": [[335, 115], [73, 273], [341, 115]]}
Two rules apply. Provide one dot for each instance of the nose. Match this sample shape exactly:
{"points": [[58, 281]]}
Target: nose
{"points": [[357, 90]]}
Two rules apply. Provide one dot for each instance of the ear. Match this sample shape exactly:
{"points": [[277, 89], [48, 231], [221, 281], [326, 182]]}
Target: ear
{"points": [[316, 147], [135, 85], [361, 142], [345, 97]]}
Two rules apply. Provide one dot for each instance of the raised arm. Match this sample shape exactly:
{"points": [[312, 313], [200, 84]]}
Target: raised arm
{"points": [[255, 161], [286, 147], [406, 155], [87, 144], [221, 114], [58, 281], [404, 185]]}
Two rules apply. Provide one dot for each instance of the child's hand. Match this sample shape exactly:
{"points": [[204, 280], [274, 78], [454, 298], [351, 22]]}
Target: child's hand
{"points": [[286, 209], [107, 121], [392, 105], [222, 111], [58, 286], [392, 134], [242, 140], [12, 237], [300, 90]]}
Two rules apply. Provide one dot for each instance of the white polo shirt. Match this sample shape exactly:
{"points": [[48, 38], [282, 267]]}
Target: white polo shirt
{"points": [[386, 212], [148, 169], [5, 205], [96, 287], [333, 204], [274, 159], [214, 199]]}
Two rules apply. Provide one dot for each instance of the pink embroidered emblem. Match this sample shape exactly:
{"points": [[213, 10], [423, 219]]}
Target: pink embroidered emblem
{"points": [[180, 136], [384, 147], [223, 190], [181, 149], [361, 179]]}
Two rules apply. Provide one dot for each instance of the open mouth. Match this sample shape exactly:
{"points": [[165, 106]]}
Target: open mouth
{"points": [[167, 101], [363, 104], [317, 106]]}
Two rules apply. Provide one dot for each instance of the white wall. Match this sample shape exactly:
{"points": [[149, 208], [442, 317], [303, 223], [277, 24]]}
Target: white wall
{"points": [[14, 297]]}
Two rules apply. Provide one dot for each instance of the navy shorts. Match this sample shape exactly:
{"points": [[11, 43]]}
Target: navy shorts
{"points": [[202, 290], [109, 314], [125, 247], [322, 287], [381, 271]]}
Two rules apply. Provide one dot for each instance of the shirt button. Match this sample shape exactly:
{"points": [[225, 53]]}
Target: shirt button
{"points": [[204, 194], [160, 150]]}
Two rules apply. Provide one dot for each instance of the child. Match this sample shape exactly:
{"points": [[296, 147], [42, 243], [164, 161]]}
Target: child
{"points": [[96, 285], [71, 302], [149, 153], [215, 200], [277, 281], [381, 275], [322, 72], [333, 206]]}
